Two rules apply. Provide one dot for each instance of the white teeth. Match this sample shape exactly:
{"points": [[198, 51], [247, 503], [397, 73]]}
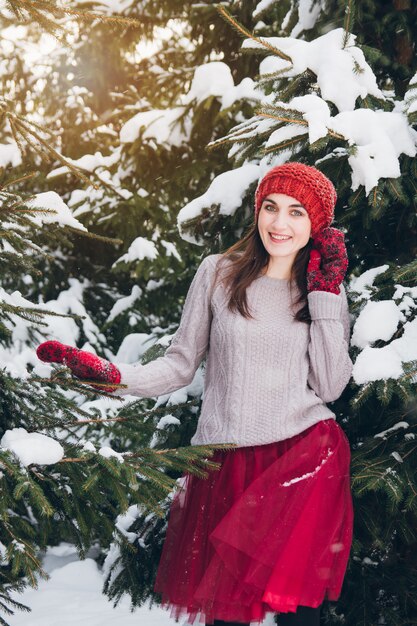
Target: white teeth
{"points": [[279, 237]]}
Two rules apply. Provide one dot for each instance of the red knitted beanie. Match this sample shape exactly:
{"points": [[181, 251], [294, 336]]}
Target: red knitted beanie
{"points": [[307, 184]]}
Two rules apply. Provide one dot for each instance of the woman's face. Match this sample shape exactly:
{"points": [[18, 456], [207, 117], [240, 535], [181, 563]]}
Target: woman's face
{"points": [[283, 215]]}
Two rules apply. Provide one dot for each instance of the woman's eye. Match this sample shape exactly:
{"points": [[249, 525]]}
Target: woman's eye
{"points": [[271, 207]]}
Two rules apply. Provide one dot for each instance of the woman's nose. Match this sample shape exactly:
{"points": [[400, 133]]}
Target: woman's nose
{"points": [[280, 219]]}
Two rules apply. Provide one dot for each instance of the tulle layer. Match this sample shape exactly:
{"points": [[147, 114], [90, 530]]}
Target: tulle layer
{"points": [[271, 530]]}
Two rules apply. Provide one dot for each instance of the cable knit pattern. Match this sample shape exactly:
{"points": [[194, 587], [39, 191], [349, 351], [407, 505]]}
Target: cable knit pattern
{"points": [[266, 379]]}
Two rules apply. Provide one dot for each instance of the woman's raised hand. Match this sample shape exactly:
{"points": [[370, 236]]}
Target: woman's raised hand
{"points": [[328, 261], [84, 365]]}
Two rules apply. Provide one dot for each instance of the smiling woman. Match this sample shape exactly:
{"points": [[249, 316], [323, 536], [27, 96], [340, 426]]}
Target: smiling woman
{"points": [[270, 531]]}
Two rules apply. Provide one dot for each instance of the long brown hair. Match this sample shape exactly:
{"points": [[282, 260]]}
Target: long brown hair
{"points": [[248, 257]]}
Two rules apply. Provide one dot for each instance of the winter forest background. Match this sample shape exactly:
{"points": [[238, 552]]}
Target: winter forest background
{"points": [[132, 137]]}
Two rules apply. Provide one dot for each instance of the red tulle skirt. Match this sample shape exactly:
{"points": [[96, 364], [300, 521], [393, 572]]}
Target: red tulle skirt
{"points": [[271, 530]]}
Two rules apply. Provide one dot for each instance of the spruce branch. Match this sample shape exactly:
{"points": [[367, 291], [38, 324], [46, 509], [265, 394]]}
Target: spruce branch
{"points": [[23, 129], [290, 116], [407, 273], [27, 552], [295, 119], [160, 410], [348, 21], [264, 79], [40, 11], [34, 315], [244, 31], [283, 145], [27, 129], [102, 238], [20, 179], [62, 376]]}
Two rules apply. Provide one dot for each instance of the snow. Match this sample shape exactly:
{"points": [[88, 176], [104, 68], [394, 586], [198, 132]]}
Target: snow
{"points": [[225, 191], [333, 65], [88, 162], [379, 137], [142, 248], [263, 5], [361, 283], [397, 457], [215, 79], [113, 6], [379, 320], [376, 364], [62, 214], [108, 452], [286, 20], [392, 429], [32, 447], [71, 301], [9, 155], [168, 420], [100, 165], [308, 12], [125, 521], [162, 125], [308, 474], [123, 304], [171, 249], [73, 595], [172, 127], [132, 347], [139, 249], [285, 132], [410, 97], [88, 446]]}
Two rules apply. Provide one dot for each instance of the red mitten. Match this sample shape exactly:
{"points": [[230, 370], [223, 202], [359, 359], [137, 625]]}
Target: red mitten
{"points": [[328, 261], [82, 364]]}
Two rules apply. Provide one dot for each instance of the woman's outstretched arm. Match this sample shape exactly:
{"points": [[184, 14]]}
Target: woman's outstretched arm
{"points": [[330, 364], [173, 370]]}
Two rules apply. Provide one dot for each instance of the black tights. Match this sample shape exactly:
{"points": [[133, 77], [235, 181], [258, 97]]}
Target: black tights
{"points": [[304, 616]]}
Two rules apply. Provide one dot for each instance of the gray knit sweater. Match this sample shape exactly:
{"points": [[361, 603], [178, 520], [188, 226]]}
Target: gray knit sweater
{"points": [[266, 379]]}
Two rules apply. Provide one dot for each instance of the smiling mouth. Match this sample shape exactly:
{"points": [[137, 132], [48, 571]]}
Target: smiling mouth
{"points": [[279, 240]]}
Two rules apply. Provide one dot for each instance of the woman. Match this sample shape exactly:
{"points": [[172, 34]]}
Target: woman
{"points": [[271, 531]]}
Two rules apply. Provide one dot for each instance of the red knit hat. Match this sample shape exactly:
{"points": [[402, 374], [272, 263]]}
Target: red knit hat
{"points": [[305, 183]]}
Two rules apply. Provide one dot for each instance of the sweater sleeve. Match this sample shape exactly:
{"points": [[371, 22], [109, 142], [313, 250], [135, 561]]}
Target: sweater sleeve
{"points": [[176, 368], [330, 364]]}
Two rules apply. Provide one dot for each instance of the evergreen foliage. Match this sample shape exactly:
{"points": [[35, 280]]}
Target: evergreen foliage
{"points": [[128, 140]]}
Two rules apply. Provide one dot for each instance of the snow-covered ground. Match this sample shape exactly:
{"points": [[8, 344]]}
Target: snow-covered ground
{"points": [[72, 596]]}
